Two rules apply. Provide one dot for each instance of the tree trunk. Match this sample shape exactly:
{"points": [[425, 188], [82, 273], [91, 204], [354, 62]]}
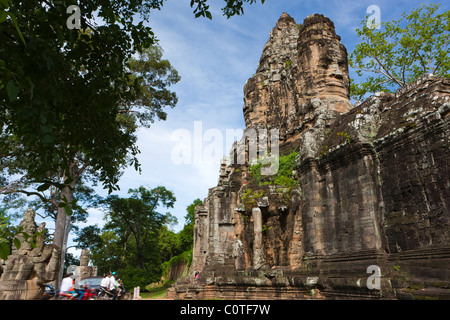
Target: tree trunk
{"points": [[62, 226]]}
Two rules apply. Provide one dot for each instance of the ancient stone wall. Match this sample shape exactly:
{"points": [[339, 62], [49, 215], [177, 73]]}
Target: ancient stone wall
{"points": [[372, 192]]}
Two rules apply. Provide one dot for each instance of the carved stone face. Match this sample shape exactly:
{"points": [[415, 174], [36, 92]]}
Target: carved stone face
{"points": [[324, 62], [84, 257], [29, 226], [297, 64], [333, 64], [323, 59]]}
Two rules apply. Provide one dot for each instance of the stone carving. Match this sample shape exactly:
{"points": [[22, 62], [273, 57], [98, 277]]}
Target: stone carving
{"points": [[373, 185], [84, 270], [27, 268], [84, 258]]}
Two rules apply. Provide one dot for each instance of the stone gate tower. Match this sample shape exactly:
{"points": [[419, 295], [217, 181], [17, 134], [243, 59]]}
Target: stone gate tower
{"points": [[372, 185]]}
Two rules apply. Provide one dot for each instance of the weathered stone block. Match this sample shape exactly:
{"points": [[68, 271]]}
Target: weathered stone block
{"points": [[373, 185]]}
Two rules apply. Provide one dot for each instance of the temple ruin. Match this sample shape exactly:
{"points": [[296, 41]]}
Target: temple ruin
{"points": [[369, 215]]}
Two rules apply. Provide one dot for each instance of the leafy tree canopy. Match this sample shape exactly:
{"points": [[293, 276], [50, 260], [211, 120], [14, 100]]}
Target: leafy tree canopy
{"points": [[62, 89], [138, 217], [401, 50]]}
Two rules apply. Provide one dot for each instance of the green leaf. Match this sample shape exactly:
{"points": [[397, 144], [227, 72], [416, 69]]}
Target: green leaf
{"points": [[48, 139], [13, 19], [13, 90], [3, 16], [43, 187], [4, 251], [31, 86], [68, 210], [17, 243], [4, 3]]}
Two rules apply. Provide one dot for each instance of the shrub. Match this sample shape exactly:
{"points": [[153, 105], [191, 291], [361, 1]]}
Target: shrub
{"points": [[134, 277], [284, 175]]}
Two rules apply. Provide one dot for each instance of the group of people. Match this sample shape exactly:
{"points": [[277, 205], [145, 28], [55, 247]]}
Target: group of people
{"points": [[68, 288], [109, 283]]}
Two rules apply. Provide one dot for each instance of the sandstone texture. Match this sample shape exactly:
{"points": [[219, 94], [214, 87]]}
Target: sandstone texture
{"points": [[372, 187], [28, 267]]}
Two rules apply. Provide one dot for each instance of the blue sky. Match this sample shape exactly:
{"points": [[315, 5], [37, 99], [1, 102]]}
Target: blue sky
{"points": [[214, 59]]}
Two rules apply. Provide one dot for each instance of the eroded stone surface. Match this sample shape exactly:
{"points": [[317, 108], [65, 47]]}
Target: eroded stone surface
{"points": [[373, 185], [28, 268]]}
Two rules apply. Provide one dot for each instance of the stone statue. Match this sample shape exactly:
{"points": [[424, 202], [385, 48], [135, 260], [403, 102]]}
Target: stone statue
{"points": [[84, 258], [27, 268], [26, 225], [84, 270]]}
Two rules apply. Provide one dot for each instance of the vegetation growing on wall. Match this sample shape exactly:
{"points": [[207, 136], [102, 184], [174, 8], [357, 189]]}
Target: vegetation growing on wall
{"points": [[284, 176]]}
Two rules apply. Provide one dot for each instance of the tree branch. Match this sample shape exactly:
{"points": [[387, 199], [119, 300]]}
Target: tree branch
{"points": [[32, 193], [439, 63], [387, 74]]}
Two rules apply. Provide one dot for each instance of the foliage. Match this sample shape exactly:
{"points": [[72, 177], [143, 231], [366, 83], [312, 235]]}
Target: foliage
{"points": [[287, 64], [136, 217], [88, 237], [284, 175], [8, 237], [72, 99], [346, 136], [232, 7], [70, 260], [168, 243], [6, 234], [185, 256], [111, 254], [284, 178], [114, 247], [6, 229], [249, 197], [133, 276], [186, 235], [401, 51], [150, 78], [66, 85]]}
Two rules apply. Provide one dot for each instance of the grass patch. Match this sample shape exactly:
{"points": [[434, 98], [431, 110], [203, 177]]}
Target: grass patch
{"points": [[157, 291]]}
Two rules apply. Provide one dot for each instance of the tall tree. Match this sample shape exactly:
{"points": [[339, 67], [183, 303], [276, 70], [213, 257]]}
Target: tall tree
{"points": [[65, 91], [401, 50], [138, 216], [150, 76], [62, 90], [187, 233], [5, 227]]}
